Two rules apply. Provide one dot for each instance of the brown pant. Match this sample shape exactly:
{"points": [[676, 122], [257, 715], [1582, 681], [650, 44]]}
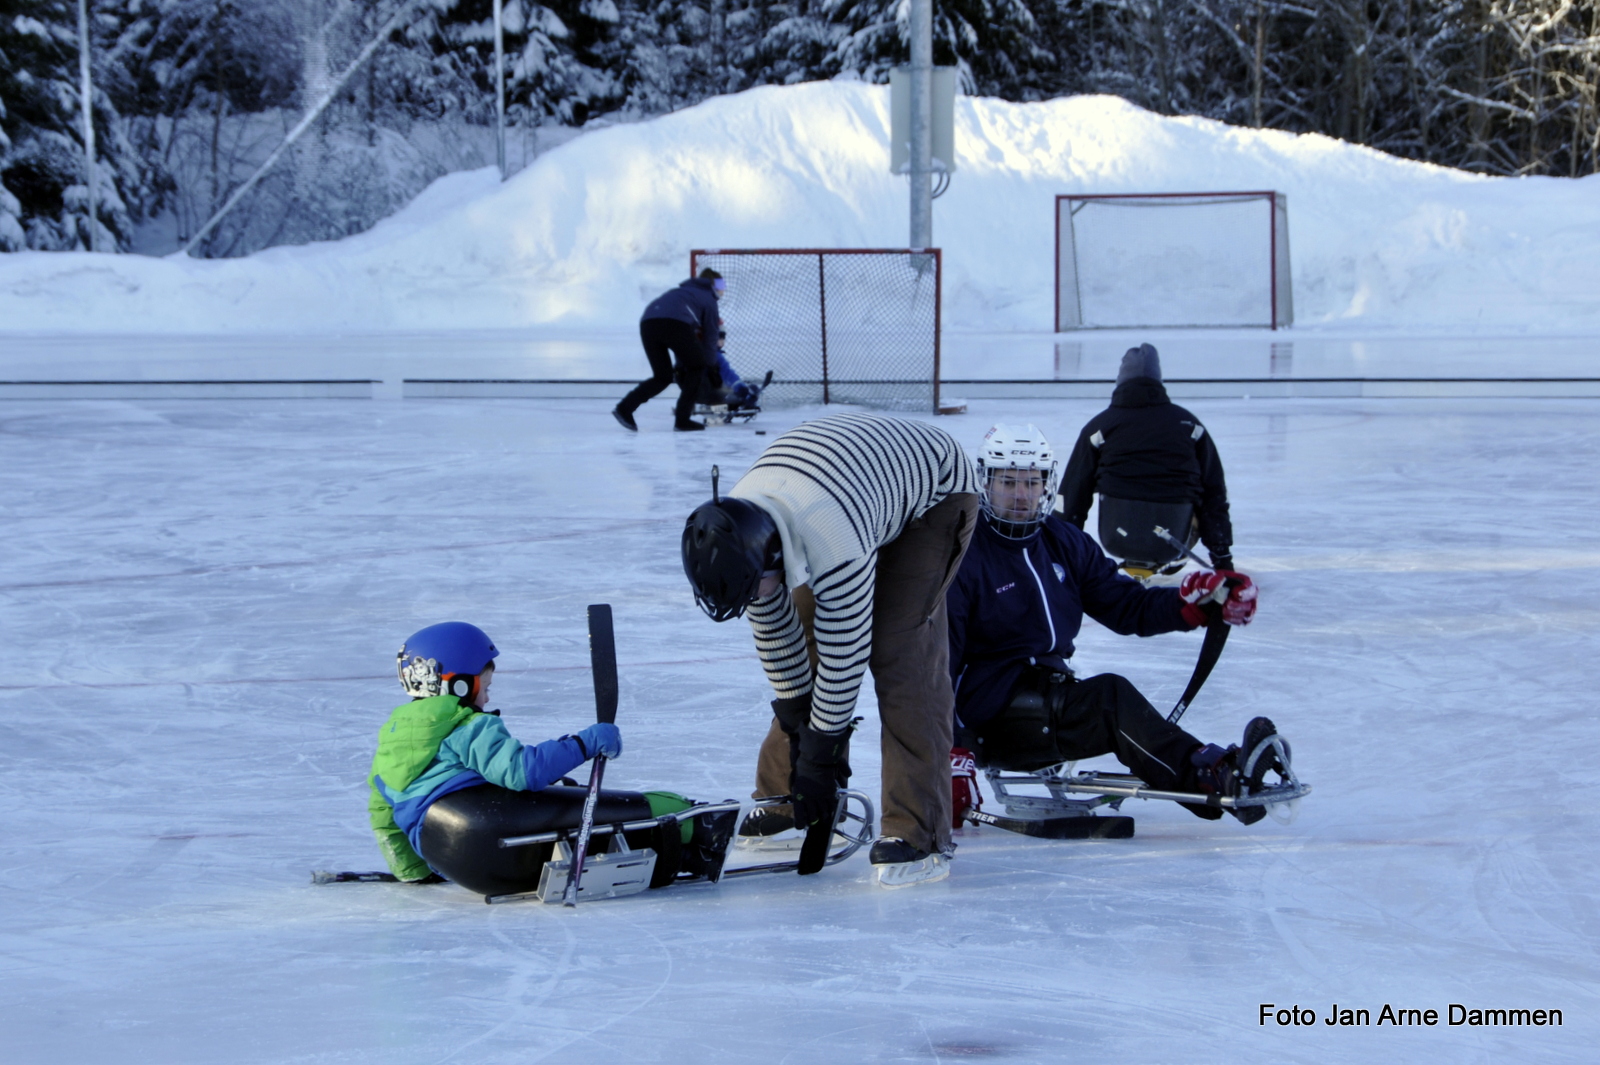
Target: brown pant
{"points": [[910, 671]]}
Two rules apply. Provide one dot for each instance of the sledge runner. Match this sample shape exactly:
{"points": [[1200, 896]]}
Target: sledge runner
{"points": [[449, 781], [840, 541], [1153, 463], [1014, 609]]}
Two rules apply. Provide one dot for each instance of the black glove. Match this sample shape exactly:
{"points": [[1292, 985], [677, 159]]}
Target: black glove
{"points": [[1223, 560], [821, 770]]}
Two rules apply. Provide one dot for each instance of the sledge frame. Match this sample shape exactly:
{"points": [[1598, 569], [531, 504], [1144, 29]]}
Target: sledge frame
{"points": [[1082, 794], [623, 870]]}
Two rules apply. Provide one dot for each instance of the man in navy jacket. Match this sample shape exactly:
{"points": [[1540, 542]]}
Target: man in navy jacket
{"points": [[1018, 602], [680, 322]]}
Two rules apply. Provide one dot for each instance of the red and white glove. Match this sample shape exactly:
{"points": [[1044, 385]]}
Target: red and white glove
{"points": [[964, 793], [1235, 591]]}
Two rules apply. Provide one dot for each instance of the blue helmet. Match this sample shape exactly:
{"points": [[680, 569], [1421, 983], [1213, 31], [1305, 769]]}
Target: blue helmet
{"points": [[444, 659]]}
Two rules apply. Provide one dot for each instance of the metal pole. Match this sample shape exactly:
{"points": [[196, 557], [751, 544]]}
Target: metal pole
{"points": [[921, 123], [499, 92], [86, 89]]}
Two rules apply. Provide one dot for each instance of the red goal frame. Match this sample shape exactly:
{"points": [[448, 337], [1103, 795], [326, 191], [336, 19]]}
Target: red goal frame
{"points": [[1281, 310], [830, 384]]}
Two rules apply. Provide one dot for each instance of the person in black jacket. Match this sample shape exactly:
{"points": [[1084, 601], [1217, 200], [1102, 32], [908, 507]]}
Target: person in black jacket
{"points": [[1153, 463], [1018, 601], [680, 322]]}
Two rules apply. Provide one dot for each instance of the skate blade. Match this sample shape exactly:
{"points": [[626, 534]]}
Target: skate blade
{"points": [[778, 843], [928, 870], [1284, 812]]}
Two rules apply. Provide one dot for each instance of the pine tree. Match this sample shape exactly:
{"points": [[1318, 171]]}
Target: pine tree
{"points": [[42, 164]]}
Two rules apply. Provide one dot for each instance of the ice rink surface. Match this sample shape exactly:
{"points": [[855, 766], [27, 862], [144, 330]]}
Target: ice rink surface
{"points": [[202, 603]]}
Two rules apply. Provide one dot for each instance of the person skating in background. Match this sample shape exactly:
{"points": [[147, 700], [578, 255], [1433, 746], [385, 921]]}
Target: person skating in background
{"points": [[1152, 463], [680, 324]]}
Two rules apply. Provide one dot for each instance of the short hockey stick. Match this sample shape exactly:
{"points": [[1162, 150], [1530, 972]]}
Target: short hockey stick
{"points": [[1211, 649], [603, 665]]}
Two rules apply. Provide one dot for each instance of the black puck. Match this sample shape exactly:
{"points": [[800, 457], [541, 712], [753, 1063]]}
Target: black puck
{"points": [[761, 432]]}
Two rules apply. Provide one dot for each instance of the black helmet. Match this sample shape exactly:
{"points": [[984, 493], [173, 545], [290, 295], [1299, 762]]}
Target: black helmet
{"points": [[727, 545]]}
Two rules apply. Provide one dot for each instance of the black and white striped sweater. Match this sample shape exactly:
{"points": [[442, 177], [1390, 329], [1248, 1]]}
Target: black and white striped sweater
{"points": [[839, 488]]}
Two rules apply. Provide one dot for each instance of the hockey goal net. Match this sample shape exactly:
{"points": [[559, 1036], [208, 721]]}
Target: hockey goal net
{"points": [[834, 325], [1173, 259]]}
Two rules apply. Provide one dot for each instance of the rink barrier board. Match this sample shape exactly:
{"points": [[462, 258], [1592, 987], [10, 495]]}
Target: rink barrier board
{"points": [[1178, 389], [333, 389], [1217, 388]]}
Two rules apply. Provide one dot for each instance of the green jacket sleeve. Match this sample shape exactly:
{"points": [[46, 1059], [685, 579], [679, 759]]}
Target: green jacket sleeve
{"points": [[403, 861]]}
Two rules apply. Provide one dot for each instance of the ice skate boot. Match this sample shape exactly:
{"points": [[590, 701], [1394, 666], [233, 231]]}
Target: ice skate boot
{"points": [[899, 864], [769, 828], [1217, 773], [1263, 751]]}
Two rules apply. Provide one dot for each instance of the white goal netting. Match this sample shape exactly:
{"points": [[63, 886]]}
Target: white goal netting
{"points": [[856, 326], [1173, 259]]}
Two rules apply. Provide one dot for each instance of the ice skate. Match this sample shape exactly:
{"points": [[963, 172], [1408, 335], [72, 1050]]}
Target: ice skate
{"points": [[769, 828], [899, 864], [1263, 751]]}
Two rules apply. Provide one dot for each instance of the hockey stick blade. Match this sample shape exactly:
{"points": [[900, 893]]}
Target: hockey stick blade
{"points": [[328, 876], [603, 665], [1081, 827], [814, 851]]}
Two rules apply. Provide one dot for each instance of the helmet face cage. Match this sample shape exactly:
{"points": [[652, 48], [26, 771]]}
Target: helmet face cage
{"points": [[1014, 448]]}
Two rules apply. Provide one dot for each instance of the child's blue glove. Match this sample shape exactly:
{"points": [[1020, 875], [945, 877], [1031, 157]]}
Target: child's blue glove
{"points": [[601, 739]]}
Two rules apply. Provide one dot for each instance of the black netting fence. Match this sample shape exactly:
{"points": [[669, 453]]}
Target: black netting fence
{"points": [[833, 325]]}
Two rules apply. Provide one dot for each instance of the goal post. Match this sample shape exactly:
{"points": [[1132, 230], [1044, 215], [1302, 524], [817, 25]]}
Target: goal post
{"points": [[834, 325], [1174, 259]]}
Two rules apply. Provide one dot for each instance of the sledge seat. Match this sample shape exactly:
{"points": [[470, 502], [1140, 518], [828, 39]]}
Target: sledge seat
{"points": [[1127, 532]]}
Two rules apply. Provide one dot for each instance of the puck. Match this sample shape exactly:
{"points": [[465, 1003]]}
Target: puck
{"points": [[761, 432]]}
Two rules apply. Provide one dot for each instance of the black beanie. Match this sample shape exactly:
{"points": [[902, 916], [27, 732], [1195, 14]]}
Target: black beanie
{"points": [[1141, 361]]}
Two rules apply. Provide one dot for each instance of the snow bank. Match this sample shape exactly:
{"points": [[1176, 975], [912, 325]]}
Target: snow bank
{"points": [[583, 238]]}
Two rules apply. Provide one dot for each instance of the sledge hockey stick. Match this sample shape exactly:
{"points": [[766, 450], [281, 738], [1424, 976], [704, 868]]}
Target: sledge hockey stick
{"points": [[603, 664], [1216, 636], [1083, 826]]}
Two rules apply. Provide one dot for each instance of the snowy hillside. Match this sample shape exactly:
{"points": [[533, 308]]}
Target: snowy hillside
{"points": [[581, 239]]}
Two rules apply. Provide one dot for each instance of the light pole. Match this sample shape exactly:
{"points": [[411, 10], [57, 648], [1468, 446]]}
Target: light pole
{"points": [[921, 123], [86, 90], [499, 92]]}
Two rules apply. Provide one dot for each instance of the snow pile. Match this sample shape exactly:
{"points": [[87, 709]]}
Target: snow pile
{"points": [[583, 238]]}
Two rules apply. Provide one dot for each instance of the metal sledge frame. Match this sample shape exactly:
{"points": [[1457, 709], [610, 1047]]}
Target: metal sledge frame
{"points": [[845, 815], [1112, 789]]}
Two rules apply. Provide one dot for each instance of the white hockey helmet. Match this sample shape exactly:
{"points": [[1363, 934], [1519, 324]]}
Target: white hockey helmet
{"points": [[1017, 447]]}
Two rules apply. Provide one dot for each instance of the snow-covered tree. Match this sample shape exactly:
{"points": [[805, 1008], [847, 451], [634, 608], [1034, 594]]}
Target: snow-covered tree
{"points": [[42, 159]]}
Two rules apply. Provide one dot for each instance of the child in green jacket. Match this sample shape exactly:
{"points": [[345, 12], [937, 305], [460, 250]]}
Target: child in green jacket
{"points": [[449, 780]]}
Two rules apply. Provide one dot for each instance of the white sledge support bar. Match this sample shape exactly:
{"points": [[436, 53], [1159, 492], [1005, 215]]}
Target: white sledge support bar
{"points": [[618, 873], [1112, 789], [613, 875], [1129, 787]]}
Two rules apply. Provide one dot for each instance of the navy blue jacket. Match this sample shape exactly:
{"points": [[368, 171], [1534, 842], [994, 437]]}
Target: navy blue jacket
{"points": [[693, 302], [1013, 600]]}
